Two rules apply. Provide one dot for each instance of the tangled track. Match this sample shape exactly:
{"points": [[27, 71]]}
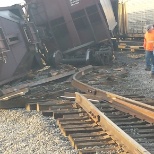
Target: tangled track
{"points": [[99, 121]]}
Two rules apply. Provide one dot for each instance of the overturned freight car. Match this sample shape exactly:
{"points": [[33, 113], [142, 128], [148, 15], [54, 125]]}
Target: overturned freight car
{"points": [[18, 41], [76, 30]]}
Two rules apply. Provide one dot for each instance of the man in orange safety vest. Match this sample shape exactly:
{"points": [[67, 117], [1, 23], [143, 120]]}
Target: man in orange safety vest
{"points": [[149, 49]]}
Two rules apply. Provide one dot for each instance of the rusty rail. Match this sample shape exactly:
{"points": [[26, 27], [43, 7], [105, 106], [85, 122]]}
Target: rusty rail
{"points": [[116, 133], [86, 126], [135, 108]]}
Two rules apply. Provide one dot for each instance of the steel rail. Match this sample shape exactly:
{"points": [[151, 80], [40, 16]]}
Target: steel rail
{"points": [[14, 94], [135, 108], [36, 83], [112, 129]]}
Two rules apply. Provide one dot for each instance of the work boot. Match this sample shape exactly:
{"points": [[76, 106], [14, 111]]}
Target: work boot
{"points": [[147, 69]]}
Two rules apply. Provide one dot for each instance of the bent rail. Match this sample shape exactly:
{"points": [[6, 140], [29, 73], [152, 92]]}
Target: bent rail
{"points": [[135, 108]]}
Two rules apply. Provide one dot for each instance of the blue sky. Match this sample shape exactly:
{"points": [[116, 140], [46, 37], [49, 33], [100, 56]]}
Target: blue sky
{"points": [[10, 2]]}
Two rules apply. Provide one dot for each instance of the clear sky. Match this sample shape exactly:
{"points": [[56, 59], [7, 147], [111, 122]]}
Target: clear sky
{"points": [[10, 2]]}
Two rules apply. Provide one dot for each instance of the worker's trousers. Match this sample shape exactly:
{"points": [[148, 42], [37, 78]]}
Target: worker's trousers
{"points": [[149, 58]]}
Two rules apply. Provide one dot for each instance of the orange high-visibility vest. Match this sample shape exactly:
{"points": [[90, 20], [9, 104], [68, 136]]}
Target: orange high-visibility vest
{"points": [[149, 41]]}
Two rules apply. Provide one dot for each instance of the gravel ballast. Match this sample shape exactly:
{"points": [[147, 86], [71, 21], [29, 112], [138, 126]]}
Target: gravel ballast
{"points": [[126, 76], [23, 132], [138, 81]]}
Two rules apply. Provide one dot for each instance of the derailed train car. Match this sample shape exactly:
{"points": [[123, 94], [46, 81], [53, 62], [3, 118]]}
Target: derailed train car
{"points": [[80, 29], [18, 42]]}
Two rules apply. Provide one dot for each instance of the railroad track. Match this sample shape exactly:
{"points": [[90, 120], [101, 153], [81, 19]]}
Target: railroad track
{"points": [[97, 121], [108, 80], [88, 129], [84, 133], [134, 117]]}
